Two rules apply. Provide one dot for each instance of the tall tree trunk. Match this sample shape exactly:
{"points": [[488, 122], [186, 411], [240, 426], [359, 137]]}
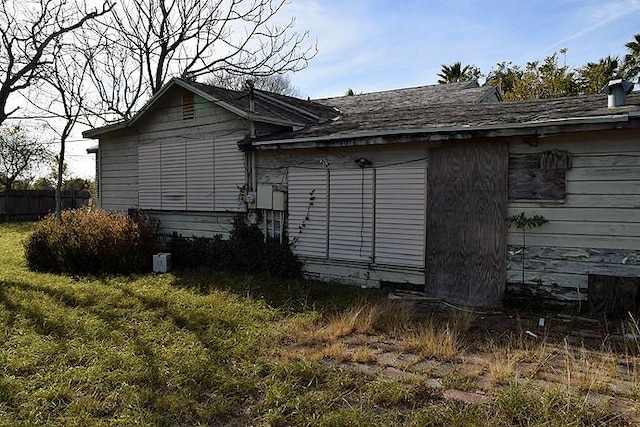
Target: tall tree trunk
{"points": [[58, 201]]}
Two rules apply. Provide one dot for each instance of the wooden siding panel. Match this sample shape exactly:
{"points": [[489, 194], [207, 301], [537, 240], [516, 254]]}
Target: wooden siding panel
{"points": [[351, 214], [119, 181], [174, 183], [599, 216], [400, 216], [229, 174], [308, 208], [150, 177], [200, 176]]}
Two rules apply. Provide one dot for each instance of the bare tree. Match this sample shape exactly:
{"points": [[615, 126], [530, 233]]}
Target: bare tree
{"points": [[276, 83], [145, 42], [66, 76], [20, 153], [28, 29]]}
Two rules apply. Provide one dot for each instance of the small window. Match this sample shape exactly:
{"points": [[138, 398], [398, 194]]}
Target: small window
{"points": [[539, 176], [188, 107]]}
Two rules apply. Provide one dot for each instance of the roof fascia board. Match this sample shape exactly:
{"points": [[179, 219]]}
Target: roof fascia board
{"points": [[95, 133], [446, 133]]}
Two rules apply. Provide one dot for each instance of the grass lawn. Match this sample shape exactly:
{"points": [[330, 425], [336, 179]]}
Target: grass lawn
{"points": [[203, 349]]}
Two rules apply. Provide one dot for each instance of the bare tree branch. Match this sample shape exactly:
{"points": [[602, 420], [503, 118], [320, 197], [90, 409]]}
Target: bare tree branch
{"points": [[28, 29], [145, 42]]}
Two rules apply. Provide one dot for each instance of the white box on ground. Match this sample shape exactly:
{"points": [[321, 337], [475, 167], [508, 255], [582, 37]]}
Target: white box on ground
{"points": [[161, 262]]}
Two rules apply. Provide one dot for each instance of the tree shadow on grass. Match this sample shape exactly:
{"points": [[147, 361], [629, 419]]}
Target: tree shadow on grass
{"points": [[289, 295]]}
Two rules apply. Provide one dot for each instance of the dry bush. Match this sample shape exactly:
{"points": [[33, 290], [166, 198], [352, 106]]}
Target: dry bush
{"points": [[360, 318], [91, 241]]}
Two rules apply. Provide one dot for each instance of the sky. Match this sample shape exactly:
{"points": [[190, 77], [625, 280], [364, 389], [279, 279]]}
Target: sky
{"points": [[374, 45]]}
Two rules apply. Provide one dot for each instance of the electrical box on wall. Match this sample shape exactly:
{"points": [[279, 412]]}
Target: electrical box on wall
{"points": [[265, 196], [279, 200]]}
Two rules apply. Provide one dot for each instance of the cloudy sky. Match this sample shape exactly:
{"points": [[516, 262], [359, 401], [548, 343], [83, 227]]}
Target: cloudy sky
{"points": [[371, 45]]}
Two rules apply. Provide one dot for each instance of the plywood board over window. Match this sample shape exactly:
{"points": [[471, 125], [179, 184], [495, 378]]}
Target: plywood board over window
{"points": [[539, 176]]}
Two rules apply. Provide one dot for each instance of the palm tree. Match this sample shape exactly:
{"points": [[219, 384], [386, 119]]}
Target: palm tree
{"points": [[631, 64], [595, 75], [457, 73]]}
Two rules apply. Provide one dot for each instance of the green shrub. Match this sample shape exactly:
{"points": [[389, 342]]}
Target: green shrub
{"points": [[91, 241], [246, 251]]}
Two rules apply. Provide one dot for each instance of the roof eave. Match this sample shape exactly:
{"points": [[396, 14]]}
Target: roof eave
{"points": [[537, 128]]}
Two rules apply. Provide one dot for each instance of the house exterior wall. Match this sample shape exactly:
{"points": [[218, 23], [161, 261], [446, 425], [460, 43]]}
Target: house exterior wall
{"points": [[355, 225], [594, 230], [188, 172]]}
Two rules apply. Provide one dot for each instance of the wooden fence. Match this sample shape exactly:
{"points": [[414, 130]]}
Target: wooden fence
{"points": [[29, 205]]}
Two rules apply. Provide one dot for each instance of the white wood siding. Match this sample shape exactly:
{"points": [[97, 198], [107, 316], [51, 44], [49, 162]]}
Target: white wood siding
{"points": [[400, 216], [307, 225], [601, 214], [351, 214], [201, 224], [189, 165], [150, 176], [229, 171], [200, 176], [173, 158], [119, 172]]}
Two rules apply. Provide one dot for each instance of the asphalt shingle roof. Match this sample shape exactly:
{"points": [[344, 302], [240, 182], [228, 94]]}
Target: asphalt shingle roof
{"points": [[409, 109]]}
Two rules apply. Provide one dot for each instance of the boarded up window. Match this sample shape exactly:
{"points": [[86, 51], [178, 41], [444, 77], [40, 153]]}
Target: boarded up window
{"points": [[176, 175], [351, 214], [400, 216], [539, 176], [332, 214]]}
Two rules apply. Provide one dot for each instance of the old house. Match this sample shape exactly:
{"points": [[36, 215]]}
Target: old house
{"points": [[405, 186]]}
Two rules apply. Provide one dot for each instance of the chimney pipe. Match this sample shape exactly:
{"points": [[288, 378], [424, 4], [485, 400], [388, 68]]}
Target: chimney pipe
{"points": [[617, 91]]}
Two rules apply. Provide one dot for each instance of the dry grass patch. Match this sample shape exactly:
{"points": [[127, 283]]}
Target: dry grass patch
{"points": [[503, 364], [336, 351], [432, 341], [587, 370], [396, 317], [364, 355]]}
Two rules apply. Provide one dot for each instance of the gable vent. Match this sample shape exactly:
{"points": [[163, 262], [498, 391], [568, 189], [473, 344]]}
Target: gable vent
{"points": [[188, 107]]}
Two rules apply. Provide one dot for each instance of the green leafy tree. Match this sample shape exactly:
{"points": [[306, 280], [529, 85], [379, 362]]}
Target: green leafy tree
{"points": [[631, 64], [595, 75], [504, 77], [538, 80], [20, 154], [522, 223], [457, 73]]}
